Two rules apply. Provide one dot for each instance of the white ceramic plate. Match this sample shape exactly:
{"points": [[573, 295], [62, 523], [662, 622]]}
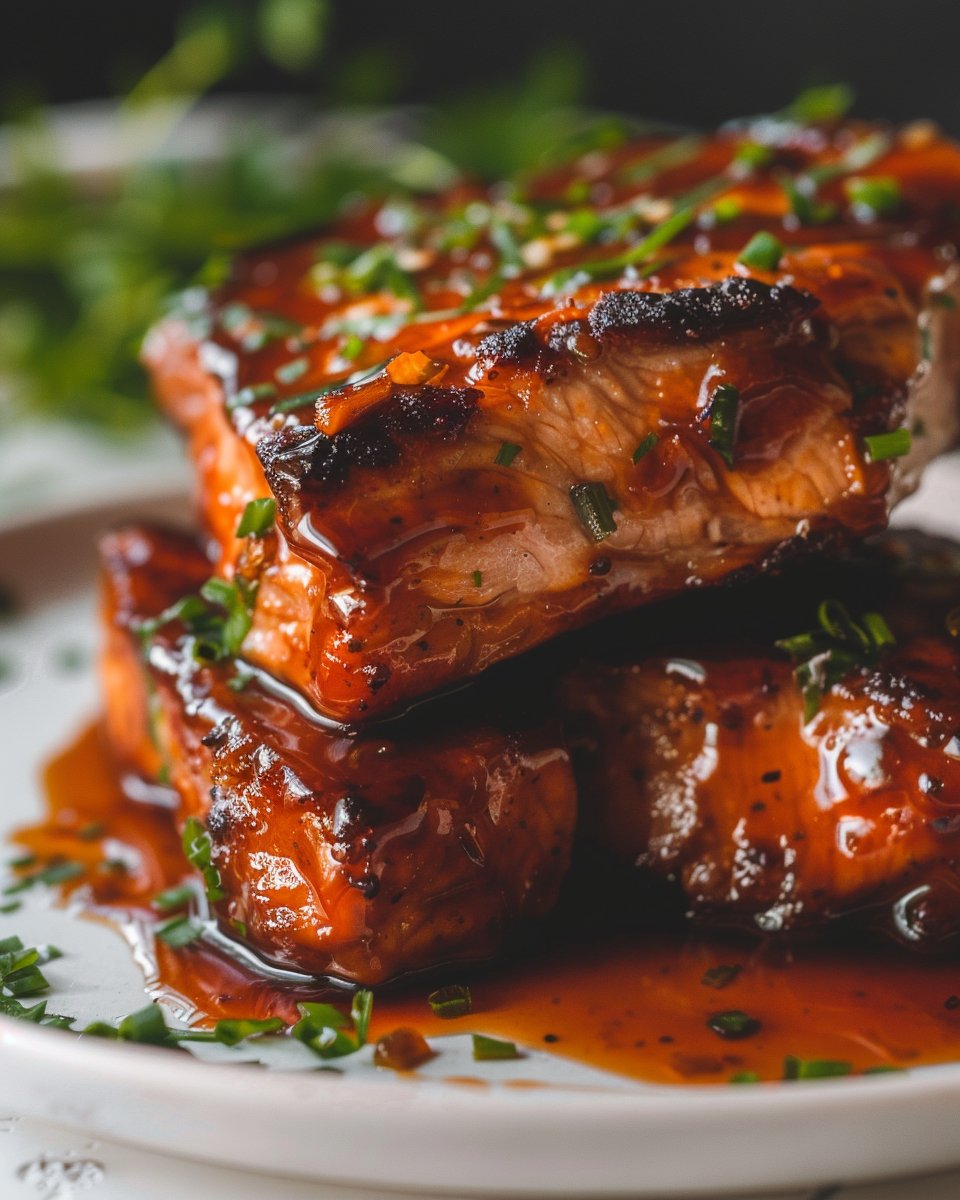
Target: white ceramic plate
{"points": [[586, 1134]]}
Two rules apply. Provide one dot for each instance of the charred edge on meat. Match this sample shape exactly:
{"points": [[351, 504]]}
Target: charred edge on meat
{"points": [[689, 314], [299, 457]]}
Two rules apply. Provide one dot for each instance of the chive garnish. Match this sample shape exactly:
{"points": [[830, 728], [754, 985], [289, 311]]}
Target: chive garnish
{"points": [[232, 1030], [879, 196], [724, 410], [451, 1001], [646, 445], [219, 618], [50, 876], [814, 1068], [594, 508], [258, 517], [721, 976], [507, 453], [180, 931], [488, 1049], [894, 444], [763, 252], [291, 371], [352, 348], [478, 579], [804, 205], [250, 395], [840, 645], [661, 235], [302, 399], [146, 1025], [733, 1025], [198, 849], [173, 898], [753, 155], [820, 105], [726, 209], [330, 1033], [664, 158]]}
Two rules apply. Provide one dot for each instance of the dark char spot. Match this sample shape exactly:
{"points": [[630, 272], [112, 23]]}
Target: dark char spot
{"points": [[300, 456], [699, 313]]}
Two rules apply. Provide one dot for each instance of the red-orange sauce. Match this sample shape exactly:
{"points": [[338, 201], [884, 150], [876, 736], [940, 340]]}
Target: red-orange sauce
{"points": [[633, 1005]]}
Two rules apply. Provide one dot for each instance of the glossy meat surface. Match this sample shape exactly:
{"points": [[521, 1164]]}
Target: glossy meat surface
{"points": [[358, 857], [701, 767], [426, 525]]}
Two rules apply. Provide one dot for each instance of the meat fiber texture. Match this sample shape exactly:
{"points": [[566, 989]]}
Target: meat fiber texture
{"points": [[359, 857], [492, 416]]}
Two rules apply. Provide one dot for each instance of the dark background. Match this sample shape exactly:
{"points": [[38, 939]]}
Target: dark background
{"points": [[692, 62]]}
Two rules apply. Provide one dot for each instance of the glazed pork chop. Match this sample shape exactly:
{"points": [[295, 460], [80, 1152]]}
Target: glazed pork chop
{"points": [[492, 416], [360, 857], [784, 795]]}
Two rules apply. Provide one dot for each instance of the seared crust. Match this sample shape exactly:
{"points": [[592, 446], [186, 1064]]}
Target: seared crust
{"points": [[427, 530], [357, 857]]}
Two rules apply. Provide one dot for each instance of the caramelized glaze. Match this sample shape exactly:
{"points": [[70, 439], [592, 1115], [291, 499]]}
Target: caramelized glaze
{"points": [[633, 1005], [406, 556]]}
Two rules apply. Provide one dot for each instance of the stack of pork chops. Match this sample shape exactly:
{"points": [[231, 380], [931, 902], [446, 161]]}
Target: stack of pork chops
{"points": [[658, 396]]}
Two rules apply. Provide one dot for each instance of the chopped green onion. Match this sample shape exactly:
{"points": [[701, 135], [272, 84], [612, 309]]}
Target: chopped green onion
{"points": [[488, 1049], [820, 105], [146, 1025], [47, 877], [291, 371], [745, 1077], [250, 395], [754, 155], [232, 1030], [664, 158], [841, 644], [352, 348], [804, 205], [683, 215], [507, 453], [454, 1000], [330, 1033], [180, 931], [91, 831], [594, 508], [763, 252], [894, 444], [726, 209], [29, 981], [258, 517], [942, 300], [879, 196], [478, 579], [198, 849], [645, 446], [302, 399], [880, 633], [720, 977], [173, 898], [814, 1068], [724, 409], [733, 1025]]}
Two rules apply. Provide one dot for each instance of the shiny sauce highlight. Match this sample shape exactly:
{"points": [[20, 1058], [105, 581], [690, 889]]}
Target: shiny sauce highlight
{"points": [[636, 1005]]}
